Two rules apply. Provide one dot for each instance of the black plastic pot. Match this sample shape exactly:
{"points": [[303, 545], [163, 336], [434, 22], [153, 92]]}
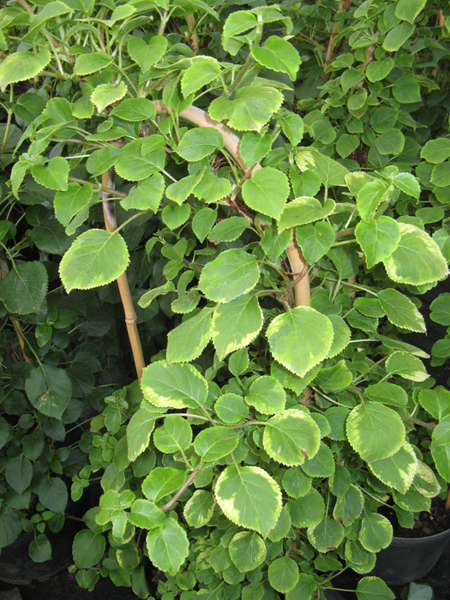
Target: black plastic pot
{"points": [[409, 559]]}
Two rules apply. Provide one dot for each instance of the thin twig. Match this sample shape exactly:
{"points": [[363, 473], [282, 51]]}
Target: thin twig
{"points": [[184, 487]]}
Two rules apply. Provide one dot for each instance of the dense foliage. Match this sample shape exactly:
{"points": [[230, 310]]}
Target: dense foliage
{"points": [[234, 159]]}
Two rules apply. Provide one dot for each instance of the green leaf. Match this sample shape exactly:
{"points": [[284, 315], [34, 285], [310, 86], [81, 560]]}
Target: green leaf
{"points": [[407, 366], [203, 222], [401, 311], [201, 72], [330, 171], [236, 324], [266, 192], [231, 408], [168, 546], [326, 535], [40, 549], [436, 402], [300, 339], [49, 390], [230, 275], [440, 175], [440, 309], [425, 481], [140, 160], [408, 184], [146, 299], [88, 548], [238, 362], [369, 198], [95, 258], [408, 10], [106, 94], [23, 65], [197, 144], [91, 63], [406, 90], [162, 481], [175, 434], [139, 430], [387, 393], [321, 464], [336, 417], [282, 528], [10, 527], [173, 385], [247, 551], [18, 473], [212, 188], [441, 457], [147, 195], [436, 151], [216, 442], [254, 147], [378, 239], [295, 483], [135, 110], [267, 395], [187, 341], [341, 338], [305, 588], [145, 514], [283, 574], [24, 288], [250, 109], [375, 431], [54, 175], [101, 160], [237, 23], [391, 141], [315, 240], [292, 127], [373, 588], [249, 497], [277, 54], [349, 506], [228, 230], [376, 532], [146, 55], [291, 436], [69, 203], [199, 509], [347, 144], [397, 37], [304, 210], [53, 494], [334, 379], [308, 510], [379, 69]]}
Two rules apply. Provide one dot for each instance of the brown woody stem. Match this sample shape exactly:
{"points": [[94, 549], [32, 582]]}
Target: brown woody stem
{"points": [[193, 33], [184, 487]]}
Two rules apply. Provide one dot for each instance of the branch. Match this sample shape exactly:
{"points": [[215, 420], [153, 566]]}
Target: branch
{"points": [[184, 487]]}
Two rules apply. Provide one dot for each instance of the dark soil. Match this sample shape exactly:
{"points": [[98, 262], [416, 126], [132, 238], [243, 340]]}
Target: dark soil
{"points": [[429, 523]]}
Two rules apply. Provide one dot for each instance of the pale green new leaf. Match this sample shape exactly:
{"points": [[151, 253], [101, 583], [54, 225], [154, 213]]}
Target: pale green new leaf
{"points": [[236, 324], [147, 195], [187, 341], [342, 335], [375, 431], [300, 339], [201, 72], [315, 240], [230, 275], [330, 171], [91, 63], [266, 192], [417, 259], [408, 10], [168, 546], [135, 110], [95, 258], [139, 430], [249, 497], [216, 442], [54, 175], [291, 436], [146, 299], [67, 204], [161, 482], [196, 144], [173, 385], [369, 198], [146, 55]]}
